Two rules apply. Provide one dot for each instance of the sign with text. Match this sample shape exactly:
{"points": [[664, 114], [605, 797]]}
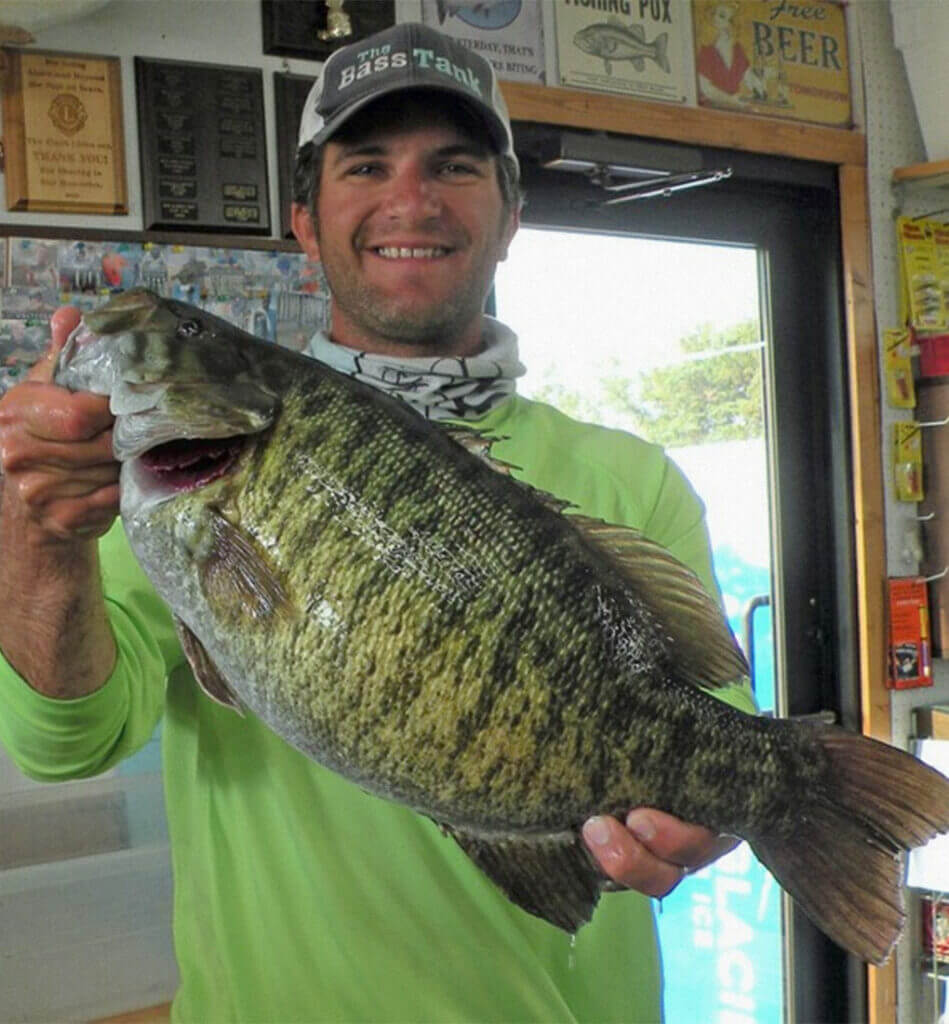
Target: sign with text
{"points": [[636, 47], [779, 58], [65, 149], [203, 147], [507, 33]]}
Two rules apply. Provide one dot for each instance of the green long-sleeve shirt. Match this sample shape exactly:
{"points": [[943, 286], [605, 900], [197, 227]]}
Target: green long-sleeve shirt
{"points": [[299, 897]]}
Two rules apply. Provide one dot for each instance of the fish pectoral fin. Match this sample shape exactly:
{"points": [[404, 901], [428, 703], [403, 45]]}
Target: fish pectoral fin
{"points": [[236, 579], [704, 649], [205, 671], [550, 875]]}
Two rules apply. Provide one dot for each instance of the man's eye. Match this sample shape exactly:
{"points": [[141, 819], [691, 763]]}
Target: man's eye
{"points": [[456, 169], [362, 170]]}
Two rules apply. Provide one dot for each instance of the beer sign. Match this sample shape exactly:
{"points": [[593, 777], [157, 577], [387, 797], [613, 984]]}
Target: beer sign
{"points": [[778, 58]]}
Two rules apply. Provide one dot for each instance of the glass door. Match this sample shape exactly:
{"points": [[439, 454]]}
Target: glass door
{"points": [[708, 322]]}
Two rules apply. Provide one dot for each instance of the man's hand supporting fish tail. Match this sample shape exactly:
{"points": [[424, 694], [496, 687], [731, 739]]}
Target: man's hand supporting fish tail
{"points": [[654, 851], [59, 494]]}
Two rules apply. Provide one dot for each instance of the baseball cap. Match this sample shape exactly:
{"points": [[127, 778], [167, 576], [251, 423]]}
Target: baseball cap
{"points": [[405, 56]]}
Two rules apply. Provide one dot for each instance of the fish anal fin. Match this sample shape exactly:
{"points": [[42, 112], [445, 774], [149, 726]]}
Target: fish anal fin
{"points": [[237, 579], [551, 876], [638, 63], [205, 671], [704, 649]]}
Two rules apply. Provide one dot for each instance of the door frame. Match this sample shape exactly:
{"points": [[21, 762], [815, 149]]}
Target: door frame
{"points": [[847, 151]]}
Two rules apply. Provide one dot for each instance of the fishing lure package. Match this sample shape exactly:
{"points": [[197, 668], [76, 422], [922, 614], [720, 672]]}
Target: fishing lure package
{"points": [[898, 367], [910, 654], [908, 460], [921, 276]]}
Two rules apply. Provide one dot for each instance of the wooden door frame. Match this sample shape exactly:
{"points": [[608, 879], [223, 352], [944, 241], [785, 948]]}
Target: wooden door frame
{"points": [[847, 151]]}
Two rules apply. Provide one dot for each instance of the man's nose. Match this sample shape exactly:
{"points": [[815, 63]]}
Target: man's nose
{"points": [[413, 192]]}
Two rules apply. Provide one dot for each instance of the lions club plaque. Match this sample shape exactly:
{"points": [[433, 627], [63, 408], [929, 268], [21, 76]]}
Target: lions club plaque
{"points": [[65, 149]]}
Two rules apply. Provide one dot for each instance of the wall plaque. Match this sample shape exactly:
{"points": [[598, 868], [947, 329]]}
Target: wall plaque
{"points": [[203, 148], [65, 149], [290, 93]]}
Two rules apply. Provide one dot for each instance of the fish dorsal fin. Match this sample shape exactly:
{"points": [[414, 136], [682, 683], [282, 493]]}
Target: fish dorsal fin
{"points": [[205, 671], [704, 650], [637, 31], [478, 443], [551, 876]]}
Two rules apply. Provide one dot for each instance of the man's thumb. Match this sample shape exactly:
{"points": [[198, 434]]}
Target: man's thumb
{"points": [[62, 323]]}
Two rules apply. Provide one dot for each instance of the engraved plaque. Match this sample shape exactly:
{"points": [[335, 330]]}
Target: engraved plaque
{"points": [[203, 147], [65, 151]]}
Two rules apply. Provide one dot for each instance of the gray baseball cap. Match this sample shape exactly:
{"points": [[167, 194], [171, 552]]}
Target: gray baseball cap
{"points": [[406, 56]]}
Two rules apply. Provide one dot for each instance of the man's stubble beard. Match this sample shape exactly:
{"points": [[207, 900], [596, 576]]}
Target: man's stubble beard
{"points": [[436, 326]]}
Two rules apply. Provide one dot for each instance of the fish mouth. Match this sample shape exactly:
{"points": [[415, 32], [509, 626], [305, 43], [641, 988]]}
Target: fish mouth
{"points": [[186, 464]]}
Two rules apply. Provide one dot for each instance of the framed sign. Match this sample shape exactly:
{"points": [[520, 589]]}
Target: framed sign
{"points": [[290, 93], [65, 148], [203, 147], [774, 58], [313, 29]]}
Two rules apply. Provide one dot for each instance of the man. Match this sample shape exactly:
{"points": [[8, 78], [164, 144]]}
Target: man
{"points": [[297, 896]]}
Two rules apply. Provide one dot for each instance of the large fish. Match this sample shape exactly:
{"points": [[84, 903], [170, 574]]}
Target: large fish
{"points": [[615, 41], [400, 610]]}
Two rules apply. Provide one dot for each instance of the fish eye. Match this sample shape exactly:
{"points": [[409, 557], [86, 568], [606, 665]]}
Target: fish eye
{"points": [[188, 328]]}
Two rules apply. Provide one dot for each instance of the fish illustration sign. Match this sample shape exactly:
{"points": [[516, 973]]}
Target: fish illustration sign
{"points": [[637, 48]]}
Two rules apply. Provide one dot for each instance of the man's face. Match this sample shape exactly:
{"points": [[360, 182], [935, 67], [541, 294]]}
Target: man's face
{"points": [[409, 227]]}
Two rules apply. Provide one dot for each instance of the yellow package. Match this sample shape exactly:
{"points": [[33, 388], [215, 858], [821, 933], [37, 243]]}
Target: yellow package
{"points": [[921, 275], [898, 367], [940, 236], [908, 461]]}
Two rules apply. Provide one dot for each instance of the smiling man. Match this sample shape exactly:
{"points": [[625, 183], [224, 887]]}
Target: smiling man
{"points": [[299, 897]]}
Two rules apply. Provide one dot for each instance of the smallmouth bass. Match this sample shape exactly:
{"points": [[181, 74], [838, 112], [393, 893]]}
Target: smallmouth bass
{"points": [[402, 611]]}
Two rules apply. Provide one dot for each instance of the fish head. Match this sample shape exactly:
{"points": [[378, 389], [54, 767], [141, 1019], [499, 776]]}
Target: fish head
{"points": [[588, 40], [189, 391]]}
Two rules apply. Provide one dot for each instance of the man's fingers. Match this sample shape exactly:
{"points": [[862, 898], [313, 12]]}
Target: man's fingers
{"points": [[86, 517], [667, 837], [627, 861], [45, 412], [654, 851]]}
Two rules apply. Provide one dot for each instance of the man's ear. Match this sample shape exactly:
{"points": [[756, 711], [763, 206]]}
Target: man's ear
{"points": [[510, 230], [304, 229]]}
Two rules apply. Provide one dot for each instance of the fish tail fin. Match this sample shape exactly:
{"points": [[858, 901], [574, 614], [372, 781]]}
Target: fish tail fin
{"points": [[661, 43], [843, 865]]}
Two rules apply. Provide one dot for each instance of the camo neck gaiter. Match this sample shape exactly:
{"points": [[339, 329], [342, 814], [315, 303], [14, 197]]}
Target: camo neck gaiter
{"points": [[439, 387]]}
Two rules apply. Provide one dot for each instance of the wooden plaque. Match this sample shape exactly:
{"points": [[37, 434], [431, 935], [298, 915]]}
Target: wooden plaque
{"points": [[203, 147], [65, 148], [290, 93]]}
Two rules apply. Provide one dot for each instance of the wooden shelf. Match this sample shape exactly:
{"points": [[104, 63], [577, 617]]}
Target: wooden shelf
{"points": [[923, 176]]}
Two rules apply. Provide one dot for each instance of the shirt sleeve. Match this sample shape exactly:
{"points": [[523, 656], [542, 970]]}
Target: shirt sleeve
{"points": [[53, 740]]}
